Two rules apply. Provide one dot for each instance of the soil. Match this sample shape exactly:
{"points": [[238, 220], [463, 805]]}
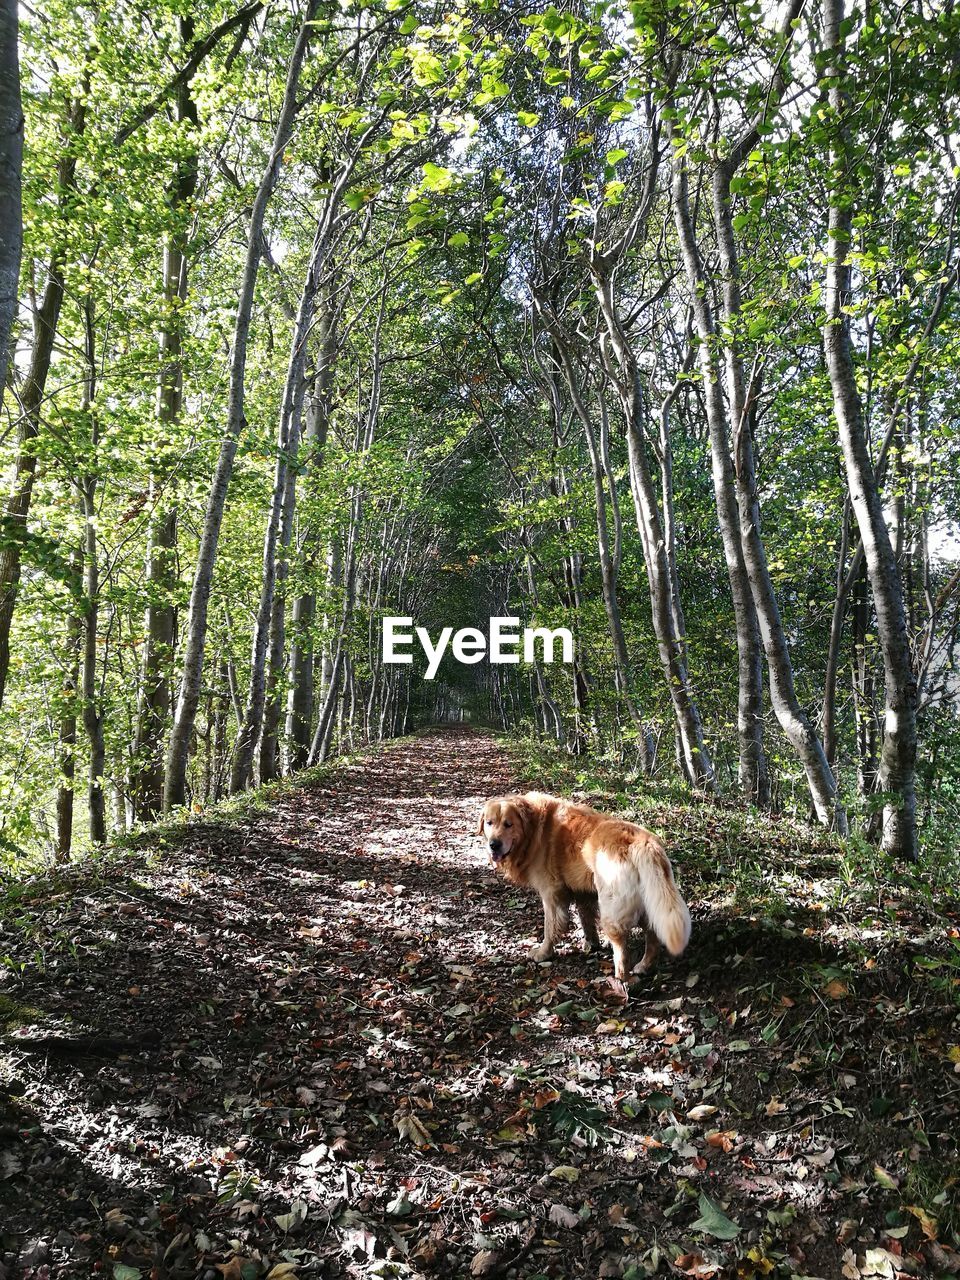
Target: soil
{"points": [[306, 1040]]}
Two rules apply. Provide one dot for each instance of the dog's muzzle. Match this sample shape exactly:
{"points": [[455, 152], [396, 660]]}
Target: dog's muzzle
{"points": [[496, 851]]}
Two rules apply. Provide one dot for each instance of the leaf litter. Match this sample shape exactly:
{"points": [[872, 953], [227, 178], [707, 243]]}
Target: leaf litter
{"points": [[306, 1041]]}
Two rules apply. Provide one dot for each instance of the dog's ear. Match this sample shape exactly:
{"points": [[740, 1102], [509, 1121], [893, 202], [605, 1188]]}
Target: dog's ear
{"points": [[524, 812], [479, 830]]}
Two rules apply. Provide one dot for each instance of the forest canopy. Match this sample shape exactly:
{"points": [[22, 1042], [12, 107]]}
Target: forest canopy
{"points": [[636, 319]]}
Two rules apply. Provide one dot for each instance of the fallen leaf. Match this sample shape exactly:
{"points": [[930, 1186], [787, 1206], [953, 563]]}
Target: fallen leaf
{"points": [[702, 1112], [928, 1225], [879, 1262], [694, 1264], [562, 1216], [290, 1221], [723, 1139], [885, 1179], [409, 1127], [714, 1222]]}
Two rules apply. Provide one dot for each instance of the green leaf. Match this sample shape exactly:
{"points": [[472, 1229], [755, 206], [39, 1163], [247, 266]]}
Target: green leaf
{"points": [[436, 177], [714, 1222]]}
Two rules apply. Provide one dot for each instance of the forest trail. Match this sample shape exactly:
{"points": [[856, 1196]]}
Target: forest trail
{"points": [[341, 1063]]}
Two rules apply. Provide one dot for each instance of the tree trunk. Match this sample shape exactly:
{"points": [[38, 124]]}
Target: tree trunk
{"points": [[753, 773], [838, 613], [14, 525], [11, 168], [146, 781], [68, 731], [697, 763], [175, 783], [862, 685], [738, 509], [301, 693], [279, 520], [898, 755], [320, 744], [92, 715], [793, 719], [609, 591]]}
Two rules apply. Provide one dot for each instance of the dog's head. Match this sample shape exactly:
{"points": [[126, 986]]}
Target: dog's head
{"points": [[505, 825]]}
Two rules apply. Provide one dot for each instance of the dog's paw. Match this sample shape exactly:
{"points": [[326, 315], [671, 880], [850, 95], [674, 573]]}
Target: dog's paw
{"points": [[591, 946], [641, 970], [541, 952]]}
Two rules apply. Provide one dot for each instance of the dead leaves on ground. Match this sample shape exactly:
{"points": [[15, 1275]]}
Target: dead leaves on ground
{"points": [[360, 1075]]}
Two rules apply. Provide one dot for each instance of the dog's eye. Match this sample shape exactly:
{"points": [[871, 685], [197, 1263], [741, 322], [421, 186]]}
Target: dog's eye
{"points": [[508, 824]]}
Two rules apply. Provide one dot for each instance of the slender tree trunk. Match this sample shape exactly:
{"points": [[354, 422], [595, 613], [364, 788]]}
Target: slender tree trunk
{"points": [[13, 527], [862, 685], [299, 716], [11, 168], [320, 744], [738, 508], [897, 776], [609, 589], [68, 731], [838, 614], [753, 772], [175, 783], [698, 766], [279, 521], [92, 718], [221, 707], [156, 695], [92, 714]]}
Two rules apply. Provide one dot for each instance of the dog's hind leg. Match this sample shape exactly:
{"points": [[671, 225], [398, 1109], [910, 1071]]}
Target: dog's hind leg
{"points": [[556, 921], [620, 944], [587, 909], [650, 954]]}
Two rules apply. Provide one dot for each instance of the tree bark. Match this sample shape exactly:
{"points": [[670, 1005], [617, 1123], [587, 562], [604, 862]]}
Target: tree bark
{"points": [[14, 525], [11, 170], [697, 763], [92, 714], [156, 697], [897, 775], [737, 505], [68, 730], [279, 520], [301, 693], [175, 784]]}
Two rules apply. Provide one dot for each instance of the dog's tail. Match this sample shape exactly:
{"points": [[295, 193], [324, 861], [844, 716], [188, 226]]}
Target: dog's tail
{"points": [[666, 912]]}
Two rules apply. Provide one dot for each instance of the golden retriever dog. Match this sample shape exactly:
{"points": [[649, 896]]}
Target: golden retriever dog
{"points": [[614, 872]]}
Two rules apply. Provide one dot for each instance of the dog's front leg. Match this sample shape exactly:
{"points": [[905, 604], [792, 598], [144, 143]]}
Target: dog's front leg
{"points": [[556, 921]]}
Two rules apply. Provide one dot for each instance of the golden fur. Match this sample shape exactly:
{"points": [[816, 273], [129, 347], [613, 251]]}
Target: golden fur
{"points": [[616, 874]]}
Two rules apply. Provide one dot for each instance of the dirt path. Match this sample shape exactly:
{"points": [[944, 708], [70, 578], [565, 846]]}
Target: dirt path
{"points": [[342, 1064]]}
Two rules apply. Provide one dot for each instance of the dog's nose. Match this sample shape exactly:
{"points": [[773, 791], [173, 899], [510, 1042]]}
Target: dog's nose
{"points": [[496, 846]]}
